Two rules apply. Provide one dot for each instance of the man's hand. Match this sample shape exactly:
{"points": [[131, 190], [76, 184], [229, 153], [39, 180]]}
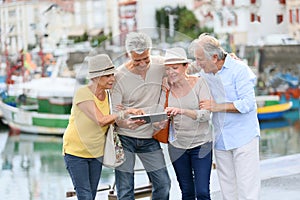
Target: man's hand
{"points": [[134, 111], [134, 124], [212, 106], [234, 56]]}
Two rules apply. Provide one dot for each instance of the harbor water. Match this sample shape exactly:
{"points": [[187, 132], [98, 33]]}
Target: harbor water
{"points": [[32, 166]]}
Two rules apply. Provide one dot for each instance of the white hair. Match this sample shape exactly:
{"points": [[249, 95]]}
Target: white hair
{"points": [[137, 42], [209, 44]]}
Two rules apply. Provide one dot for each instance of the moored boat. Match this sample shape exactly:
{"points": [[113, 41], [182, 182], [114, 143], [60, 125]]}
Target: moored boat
{"points": [[40, 106], [267, 100], [37, 103], [30, 121], [273, 111]]}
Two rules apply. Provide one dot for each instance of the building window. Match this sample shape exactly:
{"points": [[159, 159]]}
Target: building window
{"points": [[221, 18], [12, 13], [229, 23], [252, 17], [279, 19], [294, 15], [291, 16], [258, 18]]}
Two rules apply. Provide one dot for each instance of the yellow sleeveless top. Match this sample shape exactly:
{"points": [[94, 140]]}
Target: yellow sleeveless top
{"points": [[83, 137]]}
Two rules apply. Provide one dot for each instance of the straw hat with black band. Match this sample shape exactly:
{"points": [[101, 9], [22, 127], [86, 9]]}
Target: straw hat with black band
{"points": [[176, 55], [100, 65]]}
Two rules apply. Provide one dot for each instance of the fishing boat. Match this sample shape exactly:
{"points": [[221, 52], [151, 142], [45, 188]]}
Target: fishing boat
{"points": [[40, 105], [273, 111]]}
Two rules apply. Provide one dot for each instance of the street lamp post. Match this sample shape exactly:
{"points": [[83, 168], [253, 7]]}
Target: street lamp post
{"points": [[41, 54], [6, 57], [40, 40], [171, 16], [7, 54], [162, 28]]}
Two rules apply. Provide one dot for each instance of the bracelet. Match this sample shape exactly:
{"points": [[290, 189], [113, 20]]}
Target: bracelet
{"points": [[121, 115]]}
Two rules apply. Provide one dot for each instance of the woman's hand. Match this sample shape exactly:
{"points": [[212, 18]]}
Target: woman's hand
{"points": [[133, 111], [172, 111], [160, 125]]}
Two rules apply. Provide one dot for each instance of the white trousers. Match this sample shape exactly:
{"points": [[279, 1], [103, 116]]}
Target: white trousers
{"points": [[239, 172]]}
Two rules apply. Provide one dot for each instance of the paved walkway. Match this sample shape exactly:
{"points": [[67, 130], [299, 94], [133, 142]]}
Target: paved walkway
{"points": [[280, 179]]}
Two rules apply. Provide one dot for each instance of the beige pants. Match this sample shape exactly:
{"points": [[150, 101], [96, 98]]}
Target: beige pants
{"points": [[238, 172]]}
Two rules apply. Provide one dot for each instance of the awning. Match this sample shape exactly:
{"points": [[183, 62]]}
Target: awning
{"points": [[95, 31], [127, 2]]}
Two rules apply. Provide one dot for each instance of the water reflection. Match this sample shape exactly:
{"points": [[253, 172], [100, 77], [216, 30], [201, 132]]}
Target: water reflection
{"points": [[280, 137], [32, 166]]}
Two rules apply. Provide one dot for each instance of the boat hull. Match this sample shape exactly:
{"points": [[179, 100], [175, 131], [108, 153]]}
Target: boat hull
{"points": [[267, 116], [33, 122], [273, 111]]}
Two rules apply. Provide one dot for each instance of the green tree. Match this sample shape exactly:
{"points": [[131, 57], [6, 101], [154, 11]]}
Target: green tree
{"points": [[185, 22], [188, 23], [97, 40]]}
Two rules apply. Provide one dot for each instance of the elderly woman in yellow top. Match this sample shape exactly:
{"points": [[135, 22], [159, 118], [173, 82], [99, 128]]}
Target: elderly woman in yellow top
{"points": [[84, 138]]}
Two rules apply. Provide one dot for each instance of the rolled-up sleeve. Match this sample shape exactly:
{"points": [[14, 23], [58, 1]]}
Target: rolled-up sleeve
{"points": [[203, 115], [244, 83]]}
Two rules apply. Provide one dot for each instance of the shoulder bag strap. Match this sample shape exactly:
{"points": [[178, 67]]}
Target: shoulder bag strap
{"points": [[167, 98], [109, 101]]}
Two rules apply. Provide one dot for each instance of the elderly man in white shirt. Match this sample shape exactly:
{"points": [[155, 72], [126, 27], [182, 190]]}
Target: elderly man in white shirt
{"points": [[235, 122]]}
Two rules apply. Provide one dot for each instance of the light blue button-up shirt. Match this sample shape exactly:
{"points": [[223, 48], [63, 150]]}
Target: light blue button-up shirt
{"points": [[234, 83]]}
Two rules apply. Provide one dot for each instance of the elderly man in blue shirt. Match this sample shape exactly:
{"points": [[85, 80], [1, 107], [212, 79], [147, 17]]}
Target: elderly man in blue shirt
{"points": [[235, 122]]}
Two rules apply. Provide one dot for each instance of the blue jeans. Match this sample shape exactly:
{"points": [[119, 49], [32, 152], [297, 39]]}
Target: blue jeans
{"points": [[193, 168], [85, 174], [152, 158]]}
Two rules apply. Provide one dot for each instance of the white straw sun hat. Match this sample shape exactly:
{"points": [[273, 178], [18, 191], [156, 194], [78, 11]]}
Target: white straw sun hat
{"points": [[176, 55], [100, 65]]}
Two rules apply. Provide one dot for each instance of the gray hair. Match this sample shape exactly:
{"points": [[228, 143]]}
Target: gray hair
{"points": [[137, 42], [210, 46]]}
